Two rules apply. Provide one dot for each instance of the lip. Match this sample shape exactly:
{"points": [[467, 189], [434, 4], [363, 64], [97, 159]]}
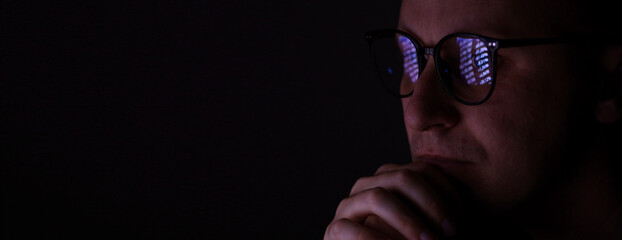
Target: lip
{"points": [[443, 162]]}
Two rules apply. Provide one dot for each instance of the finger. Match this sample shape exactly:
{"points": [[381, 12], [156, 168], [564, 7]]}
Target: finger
{"points": [[376, 223], [380, 202], [388, 167], [416, 190], [346, 229], [435, 177]]}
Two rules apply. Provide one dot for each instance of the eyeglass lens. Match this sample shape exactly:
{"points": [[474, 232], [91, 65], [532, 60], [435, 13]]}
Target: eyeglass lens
{"points": [[464, 64]]}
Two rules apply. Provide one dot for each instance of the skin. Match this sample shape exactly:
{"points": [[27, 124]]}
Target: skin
{"points": [[528, 161]]}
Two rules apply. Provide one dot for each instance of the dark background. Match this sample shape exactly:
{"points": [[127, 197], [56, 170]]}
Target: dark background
{"points": [[189, 119]]}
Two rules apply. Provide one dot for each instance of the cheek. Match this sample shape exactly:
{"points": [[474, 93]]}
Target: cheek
{"points": [[517, 152], [530, 109], [512, 136], [521, 129]]}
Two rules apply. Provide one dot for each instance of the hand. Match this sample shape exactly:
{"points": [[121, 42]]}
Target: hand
{"points": [[412, 201]]}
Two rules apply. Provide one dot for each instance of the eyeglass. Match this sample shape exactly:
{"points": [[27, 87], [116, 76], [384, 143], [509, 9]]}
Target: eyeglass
{"points": [[465, 63]]}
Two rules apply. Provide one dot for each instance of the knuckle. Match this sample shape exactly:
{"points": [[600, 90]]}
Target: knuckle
{"points": [[429, 169], [386, 167], [342, 205], [436, 209], [336, 228], [358, 185], [372, 220], [404, 175], [345, 229], [376, 195], [407, 176], [409, 227], [419, 166]]}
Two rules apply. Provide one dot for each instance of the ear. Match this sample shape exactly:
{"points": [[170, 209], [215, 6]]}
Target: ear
{"points": [[609, 107]]}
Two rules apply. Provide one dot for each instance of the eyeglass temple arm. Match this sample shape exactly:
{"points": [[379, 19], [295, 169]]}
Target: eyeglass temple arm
{"points": [[530, 42], [614, 40]]}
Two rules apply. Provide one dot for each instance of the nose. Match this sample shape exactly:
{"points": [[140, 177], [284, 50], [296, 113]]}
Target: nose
{"points": [[430, 107]]}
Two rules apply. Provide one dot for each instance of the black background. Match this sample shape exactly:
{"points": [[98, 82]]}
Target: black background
{"points": [[189, 119]]}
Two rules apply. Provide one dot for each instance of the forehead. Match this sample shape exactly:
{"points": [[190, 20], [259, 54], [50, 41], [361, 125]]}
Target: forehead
{"points": [[430, 20]]}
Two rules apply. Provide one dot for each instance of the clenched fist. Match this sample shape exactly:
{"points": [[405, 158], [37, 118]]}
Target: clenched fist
{"points": [[412, 201]]}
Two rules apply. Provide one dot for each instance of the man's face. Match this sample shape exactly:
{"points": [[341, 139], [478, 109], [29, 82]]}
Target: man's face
{"points": [[512, 142]]}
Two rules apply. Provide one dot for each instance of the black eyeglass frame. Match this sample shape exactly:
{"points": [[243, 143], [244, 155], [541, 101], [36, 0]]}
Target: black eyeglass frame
{"points": [[491, 43]]}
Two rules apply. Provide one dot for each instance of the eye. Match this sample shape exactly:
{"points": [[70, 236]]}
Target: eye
{"points": [[507, 69], [502, 61]]}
